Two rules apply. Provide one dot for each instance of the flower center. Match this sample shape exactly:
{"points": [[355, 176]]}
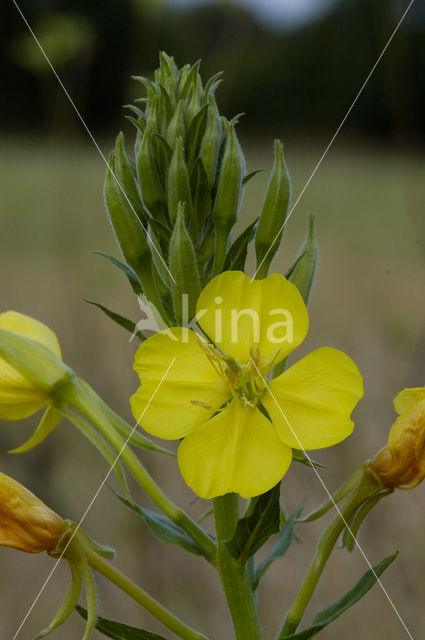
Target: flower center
{"points": [[247, 381]]}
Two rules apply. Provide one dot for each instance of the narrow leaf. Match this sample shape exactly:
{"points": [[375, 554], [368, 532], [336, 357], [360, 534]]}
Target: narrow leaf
{"points": [[126, 323], [128, 271], [119, 630], [281, 544], [254, 530], [333, 611], [162, 527]]}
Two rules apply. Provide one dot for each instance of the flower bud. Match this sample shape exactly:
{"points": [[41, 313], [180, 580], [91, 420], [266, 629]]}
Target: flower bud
{"points": [[275, 209], [210, 145], [26, 523], [401, 463], [30, 366], [183, 266], [229, 195], [179, 184], [303, 270]]}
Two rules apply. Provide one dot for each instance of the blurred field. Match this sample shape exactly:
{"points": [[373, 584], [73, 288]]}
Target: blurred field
{"points": [[368, 300]]}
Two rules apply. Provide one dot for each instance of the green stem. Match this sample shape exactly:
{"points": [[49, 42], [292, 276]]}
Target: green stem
{"points": [[74, 395], [141, 597], [234, 575], [369, 484]]}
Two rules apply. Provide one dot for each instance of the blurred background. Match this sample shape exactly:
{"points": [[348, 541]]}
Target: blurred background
{"points": [[293, 67]]}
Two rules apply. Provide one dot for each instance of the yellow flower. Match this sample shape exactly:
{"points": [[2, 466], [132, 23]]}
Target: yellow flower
{"points": [[26, 523], [19, 398], [238, 432], [401, 463]]}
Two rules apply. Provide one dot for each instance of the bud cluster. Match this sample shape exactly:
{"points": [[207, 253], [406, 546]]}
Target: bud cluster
{"points": [[173, 205]]}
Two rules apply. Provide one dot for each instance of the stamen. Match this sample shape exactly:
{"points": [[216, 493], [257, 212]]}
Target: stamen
{"points": [[199, 403]]}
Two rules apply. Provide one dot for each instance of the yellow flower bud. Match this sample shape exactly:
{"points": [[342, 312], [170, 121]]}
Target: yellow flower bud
{"points": [[20, 396], [401, 463], [26, 523]]}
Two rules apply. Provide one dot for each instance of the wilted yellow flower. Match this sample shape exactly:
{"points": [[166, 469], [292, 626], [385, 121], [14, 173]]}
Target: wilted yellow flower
{"points": [[26, 523], [401, 463], [239, 431], [19, 398]]}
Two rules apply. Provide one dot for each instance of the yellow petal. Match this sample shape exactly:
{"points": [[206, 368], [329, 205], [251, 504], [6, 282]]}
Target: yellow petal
{"points": [[18, 398], [31, 328], [405, 400], [26, 523], [171, 413], [236, 451], [310, 404], [238, 314]]}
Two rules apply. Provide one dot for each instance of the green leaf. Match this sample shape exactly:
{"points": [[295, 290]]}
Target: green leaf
{"points": [[126, 323], [333, 611], [119, 630], [236, 256], [254, 530], [281, 544], [162, 527], [128, 271]]}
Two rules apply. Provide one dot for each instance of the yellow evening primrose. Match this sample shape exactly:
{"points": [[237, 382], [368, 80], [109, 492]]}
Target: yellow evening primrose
{"points": [[401, 463], [239, 430], [18, 397], [26, 523]]}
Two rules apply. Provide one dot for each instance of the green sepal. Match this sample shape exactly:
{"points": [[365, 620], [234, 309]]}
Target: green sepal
{"points": [[349, 485], [349, 535], [162, 527], [274, 213], [48, 423], [94, 437], [131, 435], [69, 604], [300, 456], [122, 321], [35, 362], [118, 630], [126, 269], [302, 272], [91, 596], [280, 546], [333, 611], [253, 530], [184, 267], [236, 256]]}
